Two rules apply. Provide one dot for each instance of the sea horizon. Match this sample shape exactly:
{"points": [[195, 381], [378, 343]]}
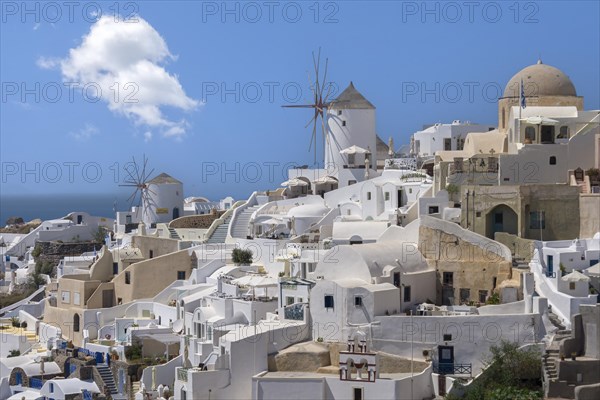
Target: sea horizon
{"points": [[53, 206]]}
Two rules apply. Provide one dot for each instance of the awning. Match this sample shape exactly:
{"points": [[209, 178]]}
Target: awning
{"points": [[540, 121], [326, 180], [255, 281], [354, 150], [295, 182], [165, 338]]}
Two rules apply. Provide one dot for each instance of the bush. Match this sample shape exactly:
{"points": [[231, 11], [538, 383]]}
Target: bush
{"points": [[493, 299], [37, 250], [23, 324], [240, 256], [14, 353], [511, 374], [15, 322]]}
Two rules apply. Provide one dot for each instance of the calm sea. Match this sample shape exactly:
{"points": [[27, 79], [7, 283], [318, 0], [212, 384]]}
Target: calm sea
{"points": [[56, 206]]}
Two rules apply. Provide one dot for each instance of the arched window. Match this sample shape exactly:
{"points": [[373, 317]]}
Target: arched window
{"points": [[552, 160], [503, 117], [563, 133], [530, 134], [76, 323]]}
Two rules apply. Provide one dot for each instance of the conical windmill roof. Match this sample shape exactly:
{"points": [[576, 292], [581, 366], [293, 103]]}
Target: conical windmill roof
{"points": [[163, 178], [351, 99]]}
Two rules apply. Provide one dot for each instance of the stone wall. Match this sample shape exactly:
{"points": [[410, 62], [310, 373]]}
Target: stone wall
{"points": [[196, 221], [53, 252], [589, 208], [473, 266]]}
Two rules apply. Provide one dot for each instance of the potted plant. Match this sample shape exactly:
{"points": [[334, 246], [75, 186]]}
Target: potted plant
{"points": [[574, 355], [562, 357]]}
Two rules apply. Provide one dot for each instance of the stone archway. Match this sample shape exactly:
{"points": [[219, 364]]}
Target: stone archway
{"points": [[501, 218]]}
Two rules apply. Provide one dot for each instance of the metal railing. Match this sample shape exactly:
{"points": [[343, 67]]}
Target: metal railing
{"points": [[452, 369]]}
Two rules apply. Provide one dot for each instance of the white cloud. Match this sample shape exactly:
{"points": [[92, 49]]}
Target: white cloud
{"points": [[84, 133], [128, 59], [147, 136], [47, 62]]}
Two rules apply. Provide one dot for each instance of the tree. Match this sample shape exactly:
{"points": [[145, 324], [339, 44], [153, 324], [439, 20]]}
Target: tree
{"points": [[35, 280], [100, 234], [240, 256], [511, 373], [14, 353]]}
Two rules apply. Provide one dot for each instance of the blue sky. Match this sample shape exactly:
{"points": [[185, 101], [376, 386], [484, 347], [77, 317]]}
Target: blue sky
{"points": [[190, 49]]}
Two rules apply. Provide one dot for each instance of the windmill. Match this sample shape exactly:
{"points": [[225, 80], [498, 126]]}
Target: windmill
{"points": [[138, 178], [319, 104]]}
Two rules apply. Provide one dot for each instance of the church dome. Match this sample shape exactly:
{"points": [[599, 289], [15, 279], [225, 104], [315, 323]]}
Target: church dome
{"points": [[540, 80]]}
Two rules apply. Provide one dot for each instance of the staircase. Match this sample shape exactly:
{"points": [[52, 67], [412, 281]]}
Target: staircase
{"points": [[107, 378], [220, 234], [135, 387], [240, 225], [553, 387], [173, 234]]}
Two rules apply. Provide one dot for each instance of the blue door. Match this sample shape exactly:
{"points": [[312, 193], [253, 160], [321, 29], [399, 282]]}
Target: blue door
{"points": [[550, 265], [99, 358], [18, 378]]}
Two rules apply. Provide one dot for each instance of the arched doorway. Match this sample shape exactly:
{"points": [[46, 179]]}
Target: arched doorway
{"points": [[501, 218], [175, 212], [76, 323]]}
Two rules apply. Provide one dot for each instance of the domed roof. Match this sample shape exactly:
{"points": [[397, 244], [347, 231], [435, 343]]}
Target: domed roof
{"points": [[540, 80]]}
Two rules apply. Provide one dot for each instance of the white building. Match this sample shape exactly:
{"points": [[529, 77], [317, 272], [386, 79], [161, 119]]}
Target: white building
{"points": [[444, 137]]}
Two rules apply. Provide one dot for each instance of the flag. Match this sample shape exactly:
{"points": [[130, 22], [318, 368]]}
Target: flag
{"points": [[522, 96]]}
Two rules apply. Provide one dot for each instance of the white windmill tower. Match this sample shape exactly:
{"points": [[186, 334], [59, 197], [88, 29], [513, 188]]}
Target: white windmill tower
{"points": [[351, 130], [158, 200]]}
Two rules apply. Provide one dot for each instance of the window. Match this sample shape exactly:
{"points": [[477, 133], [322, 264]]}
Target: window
{"points": [[151, 254], [387, 196], [357, 393], [339, 112], [483, 296], [465, 295], [563, 133], [351, 159], [76, 298], [358, 301], [460, 144], [433, 210], [351, 182], [180, 275], [127, 277], [289, 300], [328, 301], [478, 214], [65, 296], [368, 195], [115, 268], [76, 323], [448, 278], [529, 134], [51, 387], [397, 279], [447, 337], [409, 190], [537, 220], [552, 160], [343, 123], [571, 285], [407, 293], [447, 144]]}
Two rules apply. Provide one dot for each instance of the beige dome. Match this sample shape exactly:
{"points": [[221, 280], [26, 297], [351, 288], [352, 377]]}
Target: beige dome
{"points": [[540, 80]]}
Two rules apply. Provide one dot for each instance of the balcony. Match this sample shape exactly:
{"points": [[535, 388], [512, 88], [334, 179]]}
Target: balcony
{"points": [[452, 369]]}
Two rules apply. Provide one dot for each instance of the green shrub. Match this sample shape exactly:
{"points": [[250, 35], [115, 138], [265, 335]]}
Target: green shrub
{"points": [[240, 256]]}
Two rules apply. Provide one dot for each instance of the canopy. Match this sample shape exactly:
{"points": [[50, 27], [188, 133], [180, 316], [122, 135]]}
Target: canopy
{"points": [[594, 271], [540, 121], [326, 180], [255, 281], [575, 276], [295, 182], [354, 150], [272, 221], [165, 338]]}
